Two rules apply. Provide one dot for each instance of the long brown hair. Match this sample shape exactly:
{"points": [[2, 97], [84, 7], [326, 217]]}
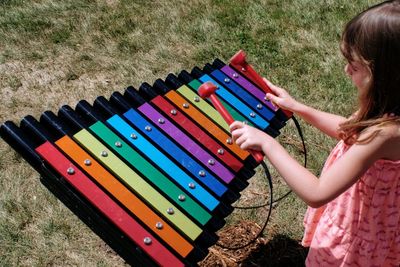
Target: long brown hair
{"points": [[373, 37]]}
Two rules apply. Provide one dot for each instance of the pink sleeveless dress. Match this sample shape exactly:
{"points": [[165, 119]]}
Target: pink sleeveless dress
{"points": [[361, 227]]}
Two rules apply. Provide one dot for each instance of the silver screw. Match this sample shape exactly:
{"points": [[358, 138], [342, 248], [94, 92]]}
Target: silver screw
{"points": [[147, 241], [133, 136], [221, 151], [173, 112], [170, 211], [104, 153], [202, 173], [181, 197], [118, 144], [87, 162], [147, 128], [159, 225], [227, 80], [70, 171], [161, 121], [211, 162], [192, 186]]}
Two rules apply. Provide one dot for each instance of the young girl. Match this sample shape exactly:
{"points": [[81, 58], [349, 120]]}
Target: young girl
{"points": [[354, 213]]}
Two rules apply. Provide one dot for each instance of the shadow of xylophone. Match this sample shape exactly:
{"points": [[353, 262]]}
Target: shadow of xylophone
{"points": [[152, 171]]}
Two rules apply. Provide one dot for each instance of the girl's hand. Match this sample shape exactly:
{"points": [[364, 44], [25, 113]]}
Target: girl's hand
{"points": [[247, 137], [281, 97]]}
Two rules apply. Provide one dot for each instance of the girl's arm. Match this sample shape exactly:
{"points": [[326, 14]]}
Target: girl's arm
{"points": [[325, 122], [335, 180]]}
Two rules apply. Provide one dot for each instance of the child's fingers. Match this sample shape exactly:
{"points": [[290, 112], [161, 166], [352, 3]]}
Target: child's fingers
{"points": [[275, 89], [236, 125], [273, 98]]}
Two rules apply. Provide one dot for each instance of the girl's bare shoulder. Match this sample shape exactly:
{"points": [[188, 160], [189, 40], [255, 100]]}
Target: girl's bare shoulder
{"points": [[390, 138]]}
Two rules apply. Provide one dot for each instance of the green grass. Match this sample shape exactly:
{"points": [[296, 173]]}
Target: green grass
{"points": [[58, 52]]}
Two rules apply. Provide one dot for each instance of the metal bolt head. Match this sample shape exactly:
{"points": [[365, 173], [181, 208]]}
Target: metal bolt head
{"points": [[104, 153], [161, 121], [87, 162], [181, 197], [211, 162], [252, 114], [192, 186], [221, 151], [202, 173], [259, 106], [147, 128], [244, 69], [147, 241], [159, 225], [173, 111], [70, 171], [118, 144], [235, 75], [196, 99], [227, 80], [170, 211], [185, 105], [133, 136], [229, 141]]}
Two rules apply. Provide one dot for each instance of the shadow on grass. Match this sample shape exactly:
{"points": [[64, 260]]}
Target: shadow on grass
{"points": [[279, 251]]}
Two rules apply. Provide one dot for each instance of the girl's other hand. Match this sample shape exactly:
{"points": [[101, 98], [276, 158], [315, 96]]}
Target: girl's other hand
{"points": [[280, 97], [247, 137]]}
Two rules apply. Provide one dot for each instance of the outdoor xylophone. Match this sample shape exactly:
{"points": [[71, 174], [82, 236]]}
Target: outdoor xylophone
{"points": [[152, 171]]}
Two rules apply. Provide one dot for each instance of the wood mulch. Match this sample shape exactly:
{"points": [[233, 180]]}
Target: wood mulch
{"points": [[275, 250]]}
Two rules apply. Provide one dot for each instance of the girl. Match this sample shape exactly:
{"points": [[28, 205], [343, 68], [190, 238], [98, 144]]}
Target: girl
{"points": [[354, 213]]}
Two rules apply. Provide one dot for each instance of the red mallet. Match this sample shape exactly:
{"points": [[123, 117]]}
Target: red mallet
{"points": [[207, 90], [238, 61]]}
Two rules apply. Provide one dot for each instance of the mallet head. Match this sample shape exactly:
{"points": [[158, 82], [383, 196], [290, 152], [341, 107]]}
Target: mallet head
{"points": [[207, 89], [239, 58]]}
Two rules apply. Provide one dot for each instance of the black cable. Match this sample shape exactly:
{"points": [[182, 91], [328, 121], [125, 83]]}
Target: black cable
{"points": [[302, 139], [269, 178]]}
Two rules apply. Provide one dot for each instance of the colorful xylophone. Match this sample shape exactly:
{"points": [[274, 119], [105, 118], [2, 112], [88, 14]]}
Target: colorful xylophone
{"points": [[152, 171]]}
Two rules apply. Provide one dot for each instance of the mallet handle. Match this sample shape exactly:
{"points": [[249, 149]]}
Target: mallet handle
{"points": [[258, 156]]}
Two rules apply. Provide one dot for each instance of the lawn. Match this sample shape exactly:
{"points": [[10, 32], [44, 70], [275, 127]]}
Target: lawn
{"points": [[54, 53]]}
